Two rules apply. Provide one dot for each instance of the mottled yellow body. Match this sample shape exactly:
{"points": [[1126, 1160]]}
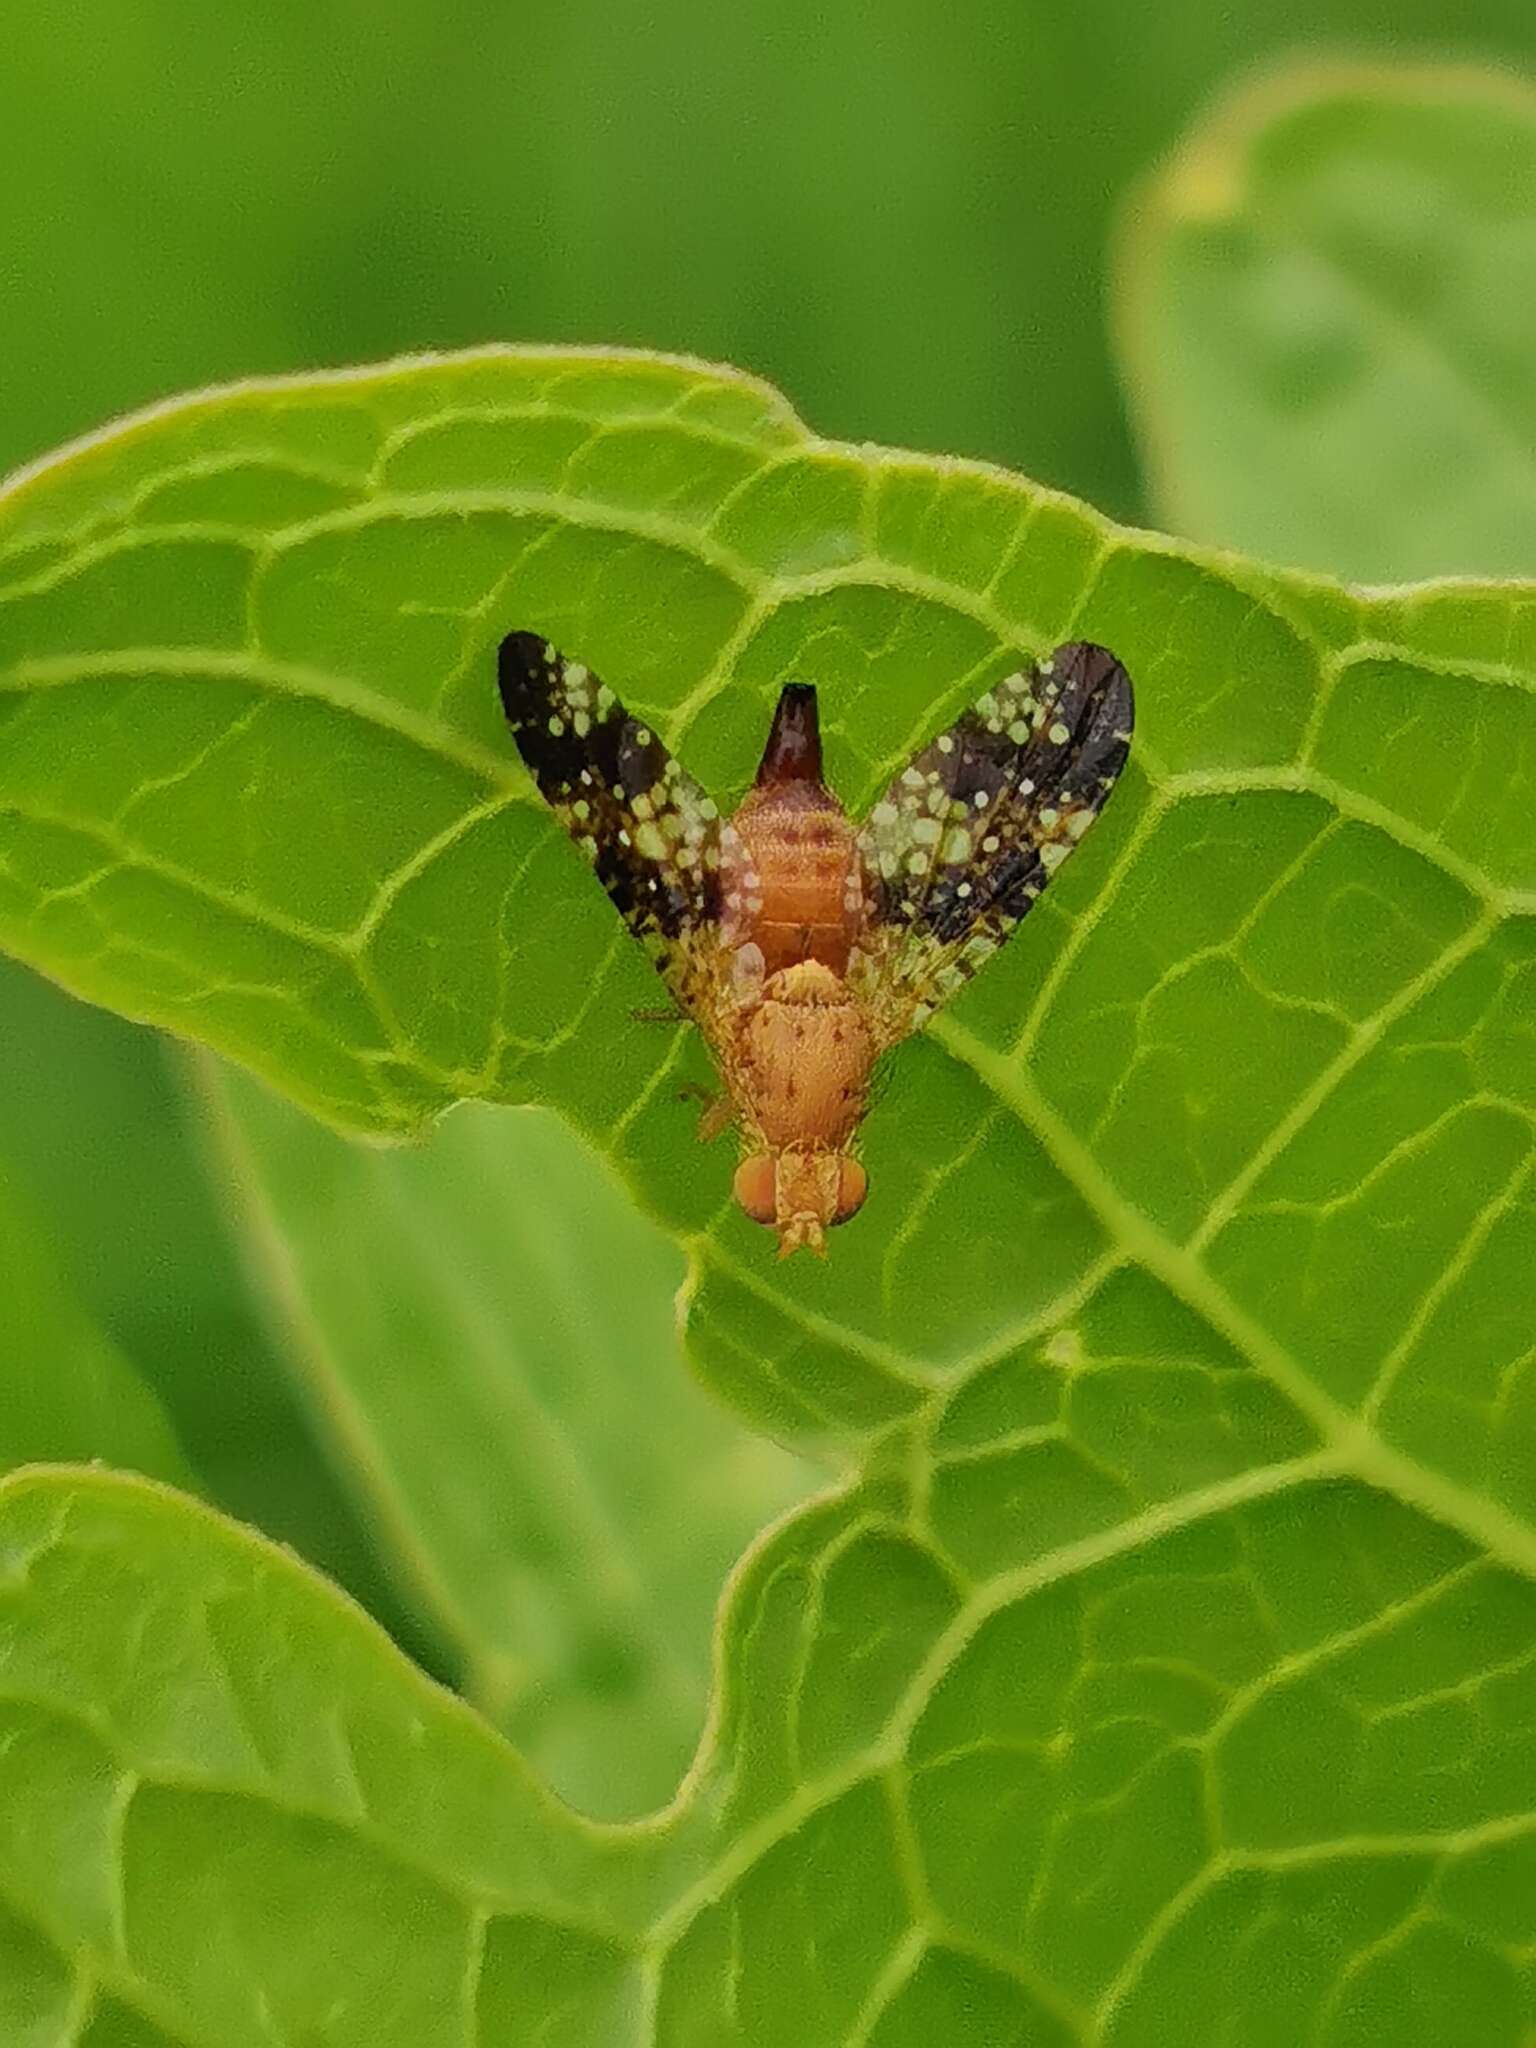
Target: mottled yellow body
{"points": [[795, 1045]]}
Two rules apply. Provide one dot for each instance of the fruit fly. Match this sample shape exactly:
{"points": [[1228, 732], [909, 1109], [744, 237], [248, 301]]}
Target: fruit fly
{"points": [[804, 945]]}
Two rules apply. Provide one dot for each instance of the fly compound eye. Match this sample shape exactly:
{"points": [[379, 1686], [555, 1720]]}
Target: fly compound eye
{"points": [[852, 1186], [755, 1187]]}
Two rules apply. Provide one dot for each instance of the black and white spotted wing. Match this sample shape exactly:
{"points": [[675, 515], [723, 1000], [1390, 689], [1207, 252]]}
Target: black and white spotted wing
{"points": [[972, 830], [649, 830]]}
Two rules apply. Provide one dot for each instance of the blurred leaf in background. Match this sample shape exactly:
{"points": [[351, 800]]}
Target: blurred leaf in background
{"points": [[66, 1392], [894, 213], [96, 1137], [1327, 297], [486, 1330]]}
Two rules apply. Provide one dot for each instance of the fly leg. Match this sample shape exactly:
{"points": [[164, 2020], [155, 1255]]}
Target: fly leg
{"points": [[718, 1114]]}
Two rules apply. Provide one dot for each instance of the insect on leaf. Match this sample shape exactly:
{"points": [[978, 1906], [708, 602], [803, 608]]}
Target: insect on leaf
{"points": [[802, 947]]}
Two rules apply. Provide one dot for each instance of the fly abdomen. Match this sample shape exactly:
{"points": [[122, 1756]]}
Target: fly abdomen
{"points": [[797, 889]]}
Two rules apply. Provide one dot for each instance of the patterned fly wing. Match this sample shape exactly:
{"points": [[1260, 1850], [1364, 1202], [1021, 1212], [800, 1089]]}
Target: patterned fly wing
{"points": [[647, 827], [969, 834]]}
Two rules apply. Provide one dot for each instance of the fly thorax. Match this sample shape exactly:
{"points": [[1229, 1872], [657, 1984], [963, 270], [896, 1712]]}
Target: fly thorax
{"points": [[808, 1054]]}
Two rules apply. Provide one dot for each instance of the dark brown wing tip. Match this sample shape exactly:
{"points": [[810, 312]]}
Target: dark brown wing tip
{"points": [[1101, 676], [793, 750], [523, 665]]}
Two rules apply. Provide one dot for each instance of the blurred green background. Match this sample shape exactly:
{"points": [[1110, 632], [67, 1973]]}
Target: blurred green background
{"points": [[899, 213]]}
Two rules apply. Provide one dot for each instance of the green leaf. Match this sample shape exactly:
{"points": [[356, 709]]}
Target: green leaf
{"points": [[65, 1389], [1163, 1669], [1286, 1726], [100, 1133], [486, 1330], [1325, 303]]}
